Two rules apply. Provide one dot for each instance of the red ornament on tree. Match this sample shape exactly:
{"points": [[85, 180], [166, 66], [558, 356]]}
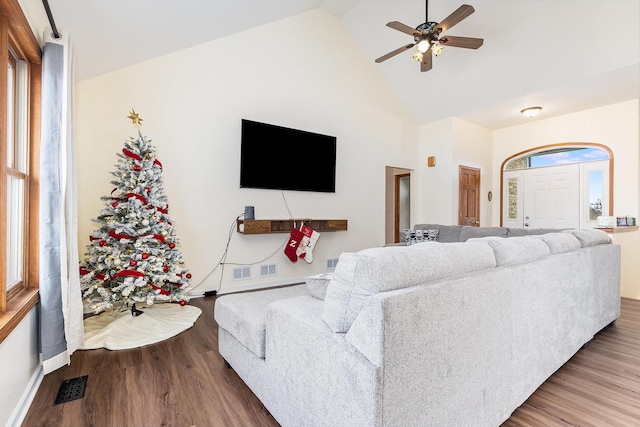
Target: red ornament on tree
{"points": [[145, 256], [103, 243], [172, 245], [182, 303], [133, 263], [188, 275], [137, 168], [165, 267]]}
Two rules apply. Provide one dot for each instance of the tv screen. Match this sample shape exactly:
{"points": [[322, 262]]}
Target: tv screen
{"points": [[280, 158]]}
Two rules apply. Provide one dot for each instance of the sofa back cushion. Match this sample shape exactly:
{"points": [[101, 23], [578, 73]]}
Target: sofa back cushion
{"points": [[516, 249], [516, 232], [559, 242], [589, 237], [318, 284], [468, 232], [360, 275]]}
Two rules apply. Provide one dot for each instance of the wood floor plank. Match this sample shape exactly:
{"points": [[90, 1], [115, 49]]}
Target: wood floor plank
{"points": [[183, 382]]}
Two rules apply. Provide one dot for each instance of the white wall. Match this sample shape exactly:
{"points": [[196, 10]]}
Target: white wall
{"points": [[453, 142], [303, 72], [616, 126], [20, 362], [472, 146], [436, 195]]}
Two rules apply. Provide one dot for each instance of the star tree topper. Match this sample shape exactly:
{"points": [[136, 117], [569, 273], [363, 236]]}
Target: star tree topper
{"points": [[135, 118]]}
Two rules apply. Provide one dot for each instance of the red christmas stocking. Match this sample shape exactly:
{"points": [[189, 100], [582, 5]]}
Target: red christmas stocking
{"points": [[292, 245]]}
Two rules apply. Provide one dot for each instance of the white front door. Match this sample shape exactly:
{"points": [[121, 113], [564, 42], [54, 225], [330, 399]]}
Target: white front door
{"points": [[552, 197]]}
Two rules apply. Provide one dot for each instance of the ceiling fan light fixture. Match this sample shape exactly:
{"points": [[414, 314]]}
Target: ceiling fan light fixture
{"points": [[437, 49], [417, 56], [423, 45], [531, 111]]}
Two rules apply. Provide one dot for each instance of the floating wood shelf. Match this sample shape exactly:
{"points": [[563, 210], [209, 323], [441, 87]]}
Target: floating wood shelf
{"points": [[621, 229], [268, 226]]}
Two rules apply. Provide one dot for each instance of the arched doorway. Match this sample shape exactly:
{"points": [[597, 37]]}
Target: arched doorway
{"points": [[565, 185]]}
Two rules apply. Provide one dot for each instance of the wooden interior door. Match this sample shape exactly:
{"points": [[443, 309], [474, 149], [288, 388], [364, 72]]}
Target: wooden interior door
{"points": [[401, 204], [469, 194]]}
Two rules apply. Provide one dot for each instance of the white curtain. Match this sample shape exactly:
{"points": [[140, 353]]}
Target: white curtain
{"points": [[61, 312]]}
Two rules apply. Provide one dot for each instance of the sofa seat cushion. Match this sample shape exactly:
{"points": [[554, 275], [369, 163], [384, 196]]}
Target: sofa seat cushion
{"points": [[360, 275], [243, 315], [516, 249]]}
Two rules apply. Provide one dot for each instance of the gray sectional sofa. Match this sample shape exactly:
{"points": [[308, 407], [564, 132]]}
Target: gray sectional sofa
{"points": [[462, 233], [431, 334]]}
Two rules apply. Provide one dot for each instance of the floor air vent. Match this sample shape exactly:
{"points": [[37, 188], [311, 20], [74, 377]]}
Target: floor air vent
{"points": [[71, 389]]}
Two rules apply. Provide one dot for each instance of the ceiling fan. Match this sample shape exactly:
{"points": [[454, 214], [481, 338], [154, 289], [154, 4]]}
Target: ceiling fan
{"points": [[429, 39]]}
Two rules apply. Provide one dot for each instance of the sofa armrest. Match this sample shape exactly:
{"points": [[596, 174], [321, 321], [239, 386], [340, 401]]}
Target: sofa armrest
{"points": [[326, 380]]}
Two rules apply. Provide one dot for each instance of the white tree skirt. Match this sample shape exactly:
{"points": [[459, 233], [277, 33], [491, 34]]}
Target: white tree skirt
{"points": [[120, 330]]}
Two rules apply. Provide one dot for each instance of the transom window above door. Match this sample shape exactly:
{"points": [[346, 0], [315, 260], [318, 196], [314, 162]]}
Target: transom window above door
{"points": [[558, 156]]}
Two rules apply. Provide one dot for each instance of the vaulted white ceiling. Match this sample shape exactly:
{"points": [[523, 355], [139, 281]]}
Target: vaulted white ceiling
{"points": [[563, 55]]}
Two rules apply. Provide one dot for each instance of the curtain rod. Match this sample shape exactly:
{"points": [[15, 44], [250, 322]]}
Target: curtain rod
{"points": [[56, 34]]}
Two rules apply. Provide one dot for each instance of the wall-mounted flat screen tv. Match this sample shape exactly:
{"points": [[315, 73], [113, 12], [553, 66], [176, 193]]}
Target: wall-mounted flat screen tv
{"points": [[280, 158]]}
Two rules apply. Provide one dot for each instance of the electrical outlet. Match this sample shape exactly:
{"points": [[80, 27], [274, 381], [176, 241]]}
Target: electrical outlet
{"points": [[242, 273], [331, 263], [268, 270]]}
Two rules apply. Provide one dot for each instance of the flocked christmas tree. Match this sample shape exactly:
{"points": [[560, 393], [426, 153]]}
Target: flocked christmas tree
{"points": [[133, 256]]}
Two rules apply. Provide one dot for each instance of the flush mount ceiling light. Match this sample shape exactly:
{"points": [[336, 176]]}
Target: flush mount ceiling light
{"points": [[531, 111]]}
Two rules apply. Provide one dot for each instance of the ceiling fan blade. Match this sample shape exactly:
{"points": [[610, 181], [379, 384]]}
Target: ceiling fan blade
{"points": [[427, 61], [466, 42], [395, 52], [403, 28], [458, 15]]}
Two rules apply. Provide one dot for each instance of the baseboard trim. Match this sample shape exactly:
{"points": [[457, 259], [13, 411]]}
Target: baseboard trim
{"points": [[20, 413]]}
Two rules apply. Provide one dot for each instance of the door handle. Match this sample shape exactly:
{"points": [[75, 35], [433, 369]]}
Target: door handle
{"points": [[526, 224]]}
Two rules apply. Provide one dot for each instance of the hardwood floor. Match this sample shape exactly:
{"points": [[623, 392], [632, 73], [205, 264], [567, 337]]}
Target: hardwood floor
{"points": [[182, 382], [599, 386]]}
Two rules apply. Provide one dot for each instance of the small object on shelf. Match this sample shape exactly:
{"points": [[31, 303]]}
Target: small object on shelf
{"points": [[606, 221], [249, 212]]}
